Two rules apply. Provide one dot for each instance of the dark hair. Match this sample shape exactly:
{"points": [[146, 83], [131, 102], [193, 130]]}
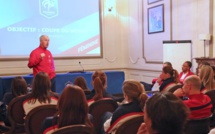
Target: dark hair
{"points": [[99, 83], [18, 86], [40, 88], [135, 92], [189, 63], [72, 107], [81, 82], [167, 113], [168, 63], [173, 73]]}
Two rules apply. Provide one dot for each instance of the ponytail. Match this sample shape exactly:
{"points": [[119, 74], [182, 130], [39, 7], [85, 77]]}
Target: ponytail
{"points": [[99, 89], [142, 99], [175, 76]]}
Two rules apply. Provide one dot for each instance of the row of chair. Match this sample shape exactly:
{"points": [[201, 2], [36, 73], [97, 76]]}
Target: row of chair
{"points": [[32, 122]]}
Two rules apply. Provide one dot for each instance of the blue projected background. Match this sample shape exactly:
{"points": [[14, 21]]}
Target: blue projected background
{"points": [[73, 27]]}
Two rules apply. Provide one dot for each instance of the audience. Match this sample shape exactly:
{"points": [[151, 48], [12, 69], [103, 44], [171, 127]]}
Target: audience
{"points": [[135, 96], [164, 113], [81, 82], [170, 78], [185, 71], [18, 87], [200, 105], [99, 82], [207, 78], [41, 93], [72, 109], [158, 81]]}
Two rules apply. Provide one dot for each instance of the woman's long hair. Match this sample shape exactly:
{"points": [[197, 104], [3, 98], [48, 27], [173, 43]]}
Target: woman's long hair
{"points": [[81, 82], [207, 77], [135, 92], [72, 107], [99, 81], [172, 72], [40, 88], [18, 86]]}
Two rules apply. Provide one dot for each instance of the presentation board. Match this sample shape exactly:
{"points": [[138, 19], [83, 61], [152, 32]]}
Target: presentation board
{"points": [[73, 27], [177, 52]]}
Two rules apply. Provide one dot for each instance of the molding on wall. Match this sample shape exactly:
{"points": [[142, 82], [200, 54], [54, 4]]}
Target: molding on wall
{"points": [[144, 57], [111, 60], [132, 61]]}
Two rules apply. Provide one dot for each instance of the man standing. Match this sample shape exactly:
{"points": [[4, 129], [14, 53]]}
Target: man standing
{"points": [[41, 60]]}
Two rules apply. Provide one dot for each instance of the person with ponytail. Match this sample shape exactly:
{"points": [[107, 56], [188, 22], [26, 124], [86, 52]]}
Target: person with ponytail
{"points": [[170, 78], [135, 96], [72, 110], [99, 82]]}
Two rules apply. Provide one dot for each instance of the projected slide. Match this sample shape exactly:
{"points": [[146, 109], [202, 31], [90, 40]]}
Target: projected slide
{"points": [[73, 27]]}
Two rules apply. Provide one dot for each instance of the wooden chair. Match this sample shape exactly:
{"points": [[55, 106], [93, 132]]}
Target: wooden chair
{"points": [[127, 124], [198, 126], [172, 89], [74, 129], [98, 108], [16, 114], [36, 116], [86, 92], [211, 94]]}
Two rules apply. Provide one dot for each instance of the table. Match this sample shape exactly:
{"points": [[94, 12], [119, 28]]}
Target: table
{"points": [[115, 80]]}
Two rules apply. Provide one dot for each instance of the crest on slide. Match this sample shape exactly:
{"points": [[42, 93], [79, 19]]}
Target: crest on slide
{"points": [[48, 8]]}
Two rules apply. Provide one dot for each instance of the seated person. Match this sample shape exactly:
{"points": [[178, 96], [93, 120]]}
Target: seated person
{"points": [[200, 65], [200, 105], [81, 82], [170, 78], [99, 82], [41, 93], [135, 96], [185, 71], [164, 113], [72, 109], [207, 78], [18, 87], [148, 87]]}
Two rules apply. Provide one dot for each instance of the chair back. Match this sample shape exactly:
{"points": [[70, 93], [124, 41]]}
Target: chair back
{"points": [[36, 116], [211, 94], [127, 124], [198, 126], [175, 87], [98, 108], [16, 114], [74, 129], [87, 92]]}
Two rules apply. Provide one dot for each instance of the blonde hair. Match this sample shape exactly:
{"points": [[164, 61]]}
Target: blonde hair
{"points": [[207, 76], [135, 91], [194, 80]]}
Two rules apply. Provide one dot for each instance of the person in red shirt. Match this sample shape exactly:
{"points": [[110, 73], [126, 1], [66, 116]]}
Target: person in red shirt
{"points": [[41, 60], [185, 71], [200, 105]]}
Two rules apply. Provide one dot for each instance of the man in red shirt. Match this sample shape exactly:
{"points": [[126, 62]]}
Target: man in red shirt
{"points": [[200, 105], [41, 60]]}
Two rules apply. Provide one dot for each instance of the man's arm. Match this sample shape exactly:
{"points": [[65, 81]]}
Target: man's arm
{"points": [[34, 60]]}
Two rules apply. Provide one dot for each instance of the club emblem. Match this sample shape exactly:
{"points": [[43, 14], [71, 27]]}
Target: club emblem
{"points": [[48, 8]]}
